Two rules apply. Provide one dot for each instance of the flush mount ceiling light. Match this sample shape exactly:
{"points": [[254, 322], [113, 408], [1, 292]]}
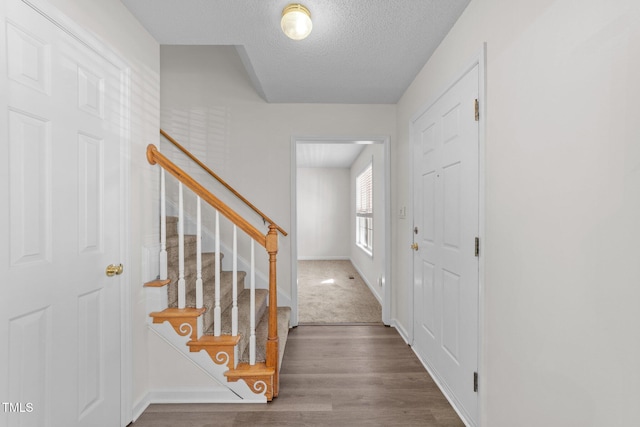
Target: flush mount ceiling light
{"points": [[296, 21]]}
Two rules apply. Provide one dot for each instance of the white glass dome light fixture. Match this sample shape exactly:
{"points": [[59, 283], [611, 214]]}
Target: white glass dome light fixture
{"points": [[296, 21]]}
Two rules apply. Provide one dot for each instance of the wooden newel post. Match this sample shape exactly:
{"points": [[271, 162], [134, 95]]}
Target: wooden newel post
{"points": [[272, 341]]}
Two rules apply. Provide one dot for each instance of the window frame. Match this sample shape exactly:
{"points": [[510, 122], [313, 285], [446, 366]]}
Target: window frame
{"points": [[364, 214]]}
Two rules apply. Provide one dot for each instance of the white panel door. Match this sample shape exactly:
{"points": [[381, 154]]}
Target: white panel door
{"points": [[445, 143], [60, 225]]}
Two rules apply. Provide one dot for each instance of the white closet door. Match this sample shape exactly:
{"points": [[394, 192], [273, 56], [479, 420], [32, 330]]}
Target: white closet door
{"points": [[445, 143], [60, 222]]}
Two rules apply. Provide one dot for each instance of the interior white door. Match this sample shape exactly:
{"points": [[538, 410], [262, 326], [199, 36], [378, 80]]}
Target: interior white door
{"points": [[445, 143], [60, 222]]}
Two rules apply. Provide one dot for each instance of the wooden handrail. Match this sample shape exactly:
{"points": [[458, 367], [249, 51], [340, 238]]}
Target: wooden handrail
{"points": [[154, 156], [221, 181]]}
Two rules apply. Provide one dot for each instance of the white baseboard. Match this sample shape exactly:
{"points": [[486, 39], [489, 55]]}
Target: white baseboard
{"points": [[447, 394], [140, 407], [187, 395], [401, 330], [445, 391], [195, 395], [364, 279]]}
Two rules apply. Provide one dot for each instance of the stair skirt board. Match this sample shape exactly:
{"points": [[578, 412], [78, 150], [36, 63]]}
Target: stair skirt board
{"points": [[203, 361]]}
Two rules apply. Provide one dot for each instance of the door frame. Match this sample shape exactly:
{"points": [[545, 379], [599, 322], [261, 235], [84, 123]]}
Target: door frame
{"points": [[76, 31], [479, 60], [387, 283]]}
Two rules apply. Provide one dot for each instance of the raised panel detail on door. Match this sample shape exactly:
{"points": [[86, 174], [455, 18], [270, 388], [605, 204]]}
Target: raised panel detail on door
{"points": [[428, 139], [451, 314], [90, 335], [451, 124], [428, 212], [30, 188], [90, 92], [428, 298], [29, 59], [30, 345], [451, 194], [90, 182]]}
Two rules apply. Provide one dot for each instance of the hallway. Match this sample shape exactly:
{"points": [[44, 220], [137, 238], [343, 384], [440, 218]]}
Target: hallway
{"points": [[332, 376]]}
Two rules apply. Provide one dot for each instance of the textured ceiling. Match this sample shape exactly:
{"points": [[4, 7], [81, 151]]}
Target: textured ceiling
{"points": [[359, 52]]}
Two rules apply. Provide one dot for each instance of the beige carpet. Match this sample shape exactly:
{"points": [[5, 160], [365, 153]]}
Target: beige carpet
{"points": [[327, 294]]}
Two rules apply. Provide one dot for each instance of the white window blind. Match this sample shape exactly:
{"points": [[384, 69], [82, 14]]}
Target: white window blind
{"points": [[364, 209]]}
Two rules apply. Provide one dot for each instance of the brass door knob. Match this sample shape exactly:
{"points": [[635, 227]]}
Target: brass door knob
{"points": [[414, 246], [113, 269]]}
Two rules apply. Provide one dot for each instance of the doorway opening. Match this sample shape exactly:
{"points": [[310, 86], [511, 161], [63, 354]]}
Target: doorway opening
{"points": [[328, 256]]}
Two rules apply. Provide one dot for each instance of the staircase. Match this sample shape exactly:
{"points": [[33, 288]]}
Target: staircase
{"points": [[232, 330]]}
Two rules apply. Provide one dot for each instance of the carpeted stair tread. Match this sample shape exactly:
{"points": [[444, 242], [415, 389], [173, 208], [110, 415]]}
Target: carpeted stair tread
{"points": [[190, 269], [208, 286], [190, 241], [262, 333], [244, 323], [190, 250], [226, 295]]}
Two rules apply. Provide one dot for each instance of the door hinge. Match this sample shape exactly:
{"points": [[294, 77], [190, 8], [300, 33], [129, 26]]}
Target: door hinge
{"points": [[477, 110], [475, 382], [477, 250]]}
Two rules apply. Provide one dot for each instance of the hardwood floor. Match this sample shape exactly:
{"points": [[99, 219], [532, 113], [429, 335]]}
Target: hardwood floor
{"points": [[331, 376]]}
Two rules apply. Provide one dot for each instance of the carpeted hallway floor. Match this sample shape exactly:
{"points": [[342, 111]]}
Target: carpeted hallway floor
{"points": [[331, 292]]}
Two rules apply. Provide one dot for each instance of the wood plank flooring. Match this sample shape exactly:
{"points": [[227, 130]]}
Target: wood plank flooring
{"points": [[331, 376]]}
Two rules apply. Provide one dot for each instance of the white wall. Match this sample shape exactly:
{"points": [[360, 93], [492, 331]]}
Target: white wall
{"points": [[324, 201], [560, 345], [207, 102], [111, 23], [370, 267]]}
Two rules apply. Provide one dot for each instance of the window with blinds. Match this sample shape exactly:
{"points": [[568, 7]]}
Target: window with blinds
{"points": [[364, 209]]}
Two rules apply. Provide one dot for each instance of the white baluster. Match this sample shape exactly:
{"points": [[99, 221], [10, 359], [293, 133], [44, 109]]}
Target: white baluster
{"points": [[163, 228], [181, 281], [234, 309], [252, 336], [199, 289], [217, 313]]}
